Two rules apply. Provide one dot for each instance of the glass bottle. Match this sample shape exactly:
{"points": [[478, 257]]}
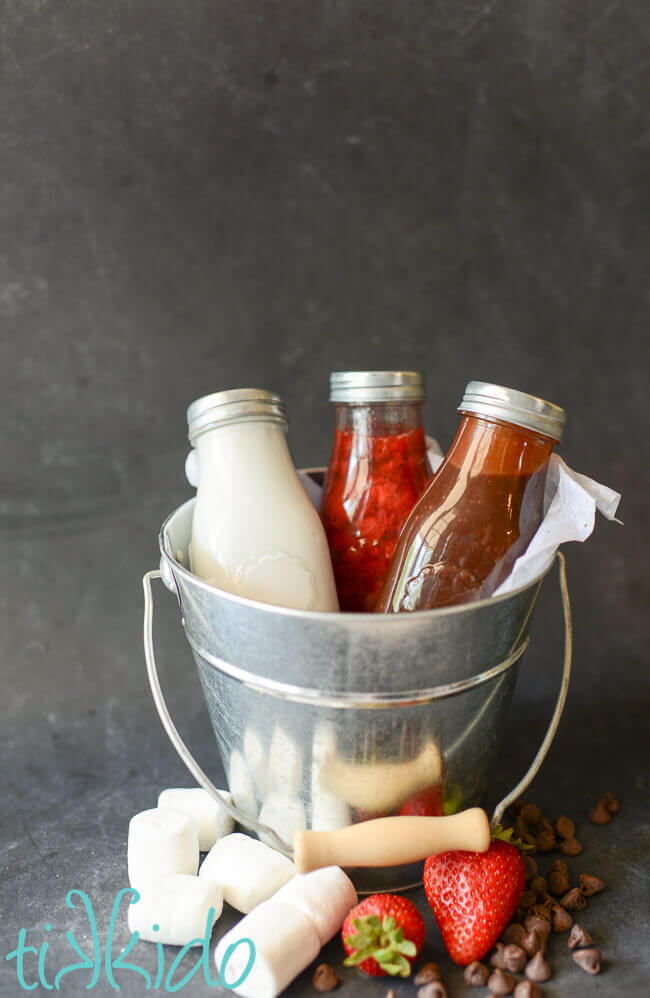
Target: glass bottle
{"points": [[377, 471], [482, 506], [255, 532]]}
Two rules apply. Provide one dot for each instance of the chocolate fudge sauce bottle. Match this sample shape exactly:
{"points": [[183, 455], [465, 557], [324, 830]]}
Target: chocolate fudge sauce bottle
{"points": [[483, 505]]}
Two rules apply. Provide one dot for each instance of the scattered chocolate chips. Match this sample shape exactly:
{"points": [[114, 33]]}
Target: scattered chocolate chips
{"points": [[326, 978], [519, 914], [558, 878], [476, 974], [589, 959], [533, 942], [530, 866], [496, 960], [435, 989], [528, 898], [514, 958], [590, 885], [526, 989], [579, 937], [564, 827], [530, 814], [429, 972], [538, 885], [574, 900], [514, 933], [545, 841], [570, 847], [501, 983], [561, 920], [539, 925], [599, 814], [538, 969]]}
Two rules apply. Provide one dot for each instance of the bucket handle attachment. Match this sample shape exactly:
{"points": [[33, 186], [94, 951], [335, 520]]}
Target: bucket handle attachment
{"points": [[551, 731], [264, 831]]}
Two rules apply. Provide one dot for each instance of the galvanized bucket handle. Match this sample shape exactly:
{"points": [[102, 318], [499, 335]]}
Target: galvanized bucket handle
{"points": [[264, 831]]}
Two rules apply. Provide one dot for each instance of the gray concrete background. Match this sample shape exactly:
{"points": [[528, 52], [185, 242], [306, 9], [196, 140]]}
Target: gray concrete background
{"points": [[204, 195]]}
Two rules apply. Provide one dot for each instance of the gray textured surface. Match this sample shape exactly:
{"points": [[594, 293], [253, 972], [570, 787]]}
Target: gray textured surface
{"points": [[205, 195]]}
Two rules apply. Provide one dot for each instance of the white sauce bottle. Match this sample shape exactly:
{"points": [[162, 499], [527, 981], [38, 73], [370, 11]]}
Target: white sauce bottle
{"points": [[255, 532]]}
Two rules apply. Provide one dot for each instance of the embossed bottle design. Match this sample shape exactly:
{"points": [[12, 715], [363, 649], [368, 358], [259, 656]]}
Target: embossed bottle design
{"points": [[255, 532], [483, 505]]}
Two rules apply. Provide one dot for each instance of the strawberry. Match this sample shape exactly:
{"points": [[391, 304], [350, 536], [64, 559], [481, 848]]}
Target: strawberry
{"points": [[383, 935], [473, 896], [427, 802]]}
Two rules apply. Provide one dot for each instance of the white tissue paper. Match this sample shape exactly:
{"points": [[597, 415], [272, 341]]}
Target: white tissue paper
{"points": [[570, 504]]}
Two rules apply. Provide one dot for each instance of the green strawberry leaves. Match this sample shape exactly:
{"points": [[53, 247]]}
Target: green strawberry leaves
{"points": [[383, 940]]}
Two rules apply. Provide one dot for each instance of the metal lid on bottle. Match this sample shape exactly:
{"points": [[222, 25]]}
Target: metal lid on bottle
{"points": [[232, 406], [497, 402], [376, 386]]}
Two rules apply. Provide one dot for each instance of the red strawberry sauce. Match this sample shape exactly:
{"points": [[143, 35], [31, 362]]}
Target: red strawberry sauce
{"points": [[372, 483]]}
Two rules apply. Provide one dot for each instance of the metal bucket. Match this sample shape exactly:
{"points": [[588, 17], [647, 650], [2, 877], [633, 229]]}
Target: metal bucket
{"points": [[324, 719]]}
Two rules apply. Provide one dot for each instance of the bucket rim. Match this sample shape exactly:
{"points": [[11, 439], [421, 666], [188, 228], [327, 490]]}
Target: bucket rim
{"points": [[322, 616]]}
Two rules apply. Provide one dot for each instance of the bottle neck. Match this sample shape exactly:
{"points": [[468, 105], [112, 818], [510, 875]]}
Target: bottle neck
{"points": [[246, 448], [379, 419], [493, 447]]}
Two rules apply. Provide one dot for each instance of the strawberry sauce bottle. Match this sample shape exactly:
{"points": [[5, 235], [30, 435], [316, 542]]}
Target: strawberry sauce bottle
{"points": [[483, 505], [377, 471]]}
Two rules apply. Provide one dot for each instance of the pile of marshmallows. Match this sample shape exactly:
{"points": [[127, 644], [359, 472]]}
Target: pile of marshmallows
{"points": [[288, 917]]}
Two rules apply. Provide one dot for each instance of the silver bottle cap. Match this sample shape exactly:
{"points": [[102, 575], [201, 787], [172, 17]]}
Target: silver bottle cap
{"points": [[376, 386], [497, 402], [233, 406]]}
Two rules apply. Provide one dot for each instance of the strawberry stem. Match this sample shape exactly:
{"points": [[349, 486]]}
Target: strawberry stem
{"points": [[381, 940]]}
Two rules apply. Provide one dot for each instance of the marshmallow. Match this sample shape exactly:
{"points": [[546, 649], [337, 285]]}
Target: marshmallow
{"points": [[179, 905], [285, 943], [324, 896], [256, 760], [161, 842], [285, 764], [211, 821], [328, 810], [284, 815], [247, 871], [241, 785]]}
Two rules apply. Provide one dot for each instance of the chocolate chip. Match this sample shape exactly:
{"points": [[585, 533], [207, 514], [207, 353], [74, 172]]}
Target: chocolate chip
{"points": [[573, 901], [514, 933], [538, 969], [526, 989], [429, 972], [600, 815], [564, 827], [476, 975], [579, 938], [539, 885], [558, 878], [542, 911], [514, 958], [435, 989], [496, 960], [589, 959], [530, 813], [528, 898], [611, 803], [545, 841], [530, 866], [515, 808], [390, 994], [533, 942], [561, 920], [570, 847], [519, 914], [501, 983], [590, 885], [326, 978]]}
